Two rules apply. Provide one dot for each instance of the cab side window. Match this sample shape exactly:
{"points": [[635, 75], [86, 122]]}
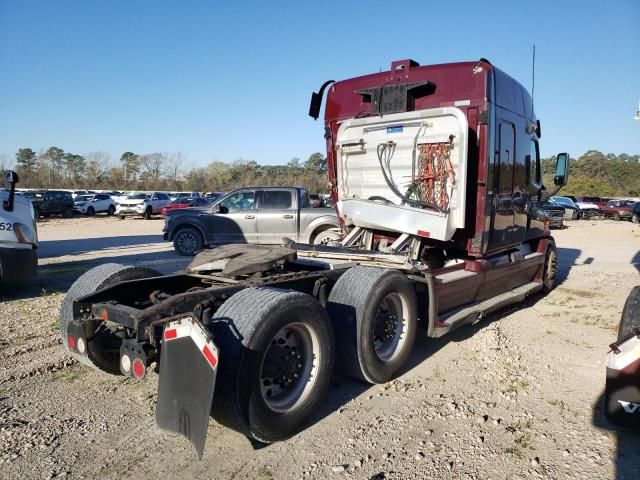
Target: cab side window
{"points": [[533, 164], [276, 200]]}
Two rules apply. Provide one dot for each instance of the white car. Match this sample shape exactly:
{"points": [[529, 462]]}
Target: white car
{"points": [[142, 204], [92, 204]]}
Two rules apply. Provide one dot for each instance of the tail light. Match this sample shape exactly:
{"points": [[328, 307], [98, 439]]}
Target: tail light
{"points": [[138, 368]]}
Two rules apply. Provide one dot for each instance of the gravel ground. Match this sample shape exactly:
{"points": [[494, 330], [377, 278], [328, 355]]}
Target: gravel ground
{"points": [[518, 395]]}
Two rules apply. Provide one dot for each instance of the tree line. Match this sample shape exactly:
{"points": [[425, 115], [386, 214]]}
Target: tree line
{"points": [[598, 174], [55, 168], [593, 173]]}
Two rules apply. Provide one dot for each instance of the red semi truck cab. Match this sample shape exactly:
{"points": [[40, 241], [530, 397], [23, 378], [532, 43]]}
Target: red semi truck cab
{"points": [[446, 152]]}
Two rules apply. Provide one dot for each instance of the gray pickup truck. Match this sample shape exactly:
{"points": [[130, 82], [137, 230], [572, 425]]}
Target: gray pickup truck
{"points": [[263, 215]]}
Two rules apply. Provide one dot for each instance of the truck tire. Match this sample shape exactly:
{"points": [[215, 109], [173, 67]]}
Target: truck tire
{"points": [[262, 333], [91, 281], [188, 241], [147, 213], [550, 267], [365, 305], [326, 236], [91, 211], [630, 315]]}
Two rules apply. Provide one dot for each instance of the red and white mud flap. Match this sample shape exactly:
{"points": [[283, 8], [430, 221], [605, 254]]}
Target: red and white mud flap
{"points": [[622, 393], [188, 366]]}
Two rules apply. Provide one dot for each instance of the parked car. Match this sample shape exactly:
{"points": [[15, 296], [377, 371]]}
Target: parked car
{"points": [[263, 215], [51, 202], [554, 212], [589, 206], [142, 204], [214, 195], [317, 200], [176, 195], [571, 210], [635, 213], [92, 204], [618, 209], [179, 203]]}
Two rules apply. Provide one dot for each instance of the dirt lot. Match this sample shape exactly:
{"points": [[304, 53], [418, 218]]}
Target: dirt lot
{"points": [[517, 396]]}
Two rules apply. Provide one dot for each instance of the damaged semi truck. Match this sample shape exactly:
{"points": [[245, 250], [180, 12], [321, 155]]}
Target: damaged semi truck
{"points": [[434, 171]]}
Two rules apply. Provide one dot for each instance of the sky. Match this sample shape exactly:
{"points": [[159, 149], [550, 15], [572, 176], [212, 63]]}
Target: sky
{"points": [[229, 80]]}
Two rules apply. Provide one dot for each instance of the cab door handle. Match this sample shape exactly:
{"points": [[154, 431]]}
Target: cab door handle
{"points": [[287, 216], [249, 217]]}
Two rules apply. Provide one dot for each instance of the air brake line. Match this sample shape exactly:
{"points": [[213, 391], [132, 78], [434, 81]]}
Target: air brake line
{"points": [[381, 150]]}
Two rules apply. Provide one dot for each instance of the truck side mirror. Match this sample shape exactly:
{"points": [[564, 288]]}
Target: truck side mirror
{"points": [[561, 176], [11, 178], [220, 209]]}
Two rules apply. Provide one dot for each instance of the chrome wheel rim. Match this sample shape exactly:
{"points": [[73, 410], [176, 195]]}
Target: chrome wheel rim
{"points": [[390, 327], [187, 242], [290, 367]]}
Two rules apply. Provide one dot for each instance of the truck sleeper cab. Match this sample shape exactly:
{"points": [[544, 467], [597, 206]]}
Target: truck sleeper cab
{"points": [[433, 171]]}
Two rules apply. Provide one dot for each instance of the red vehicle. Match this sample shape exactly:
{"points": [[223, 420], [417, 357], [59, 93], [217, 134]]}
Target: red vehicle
{"points": [[618, 209], [182, 202], [434, 172]]}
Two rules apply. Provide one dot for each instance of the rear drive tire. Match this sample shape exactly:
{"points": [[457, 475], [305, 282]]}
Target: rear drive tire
{"points": [[188, 241], [630, 315], [103, 352], [375, 311], [267, 335], [550, 268]]}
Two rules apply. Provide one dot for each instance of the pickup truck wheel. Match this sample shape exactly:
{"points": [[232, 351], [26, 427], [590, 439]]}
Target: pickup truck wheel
{"points": [[91, 211], [376, 312], [147, 213], [188, 241], [111, 210], [326, 236], [103, 350], [550, 268], [67, 213], [630, 315], [277, 353]]}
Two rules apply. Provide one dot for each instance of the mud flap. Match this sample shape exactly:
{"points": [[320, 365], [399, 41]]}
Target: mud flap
{"points": [[622, 392], [188, 365]]}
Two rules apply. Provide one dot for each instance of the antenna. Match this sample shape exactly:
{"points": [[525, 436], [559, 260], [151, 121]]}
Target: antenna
{"points": [[533, 76], [637, 117]]}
